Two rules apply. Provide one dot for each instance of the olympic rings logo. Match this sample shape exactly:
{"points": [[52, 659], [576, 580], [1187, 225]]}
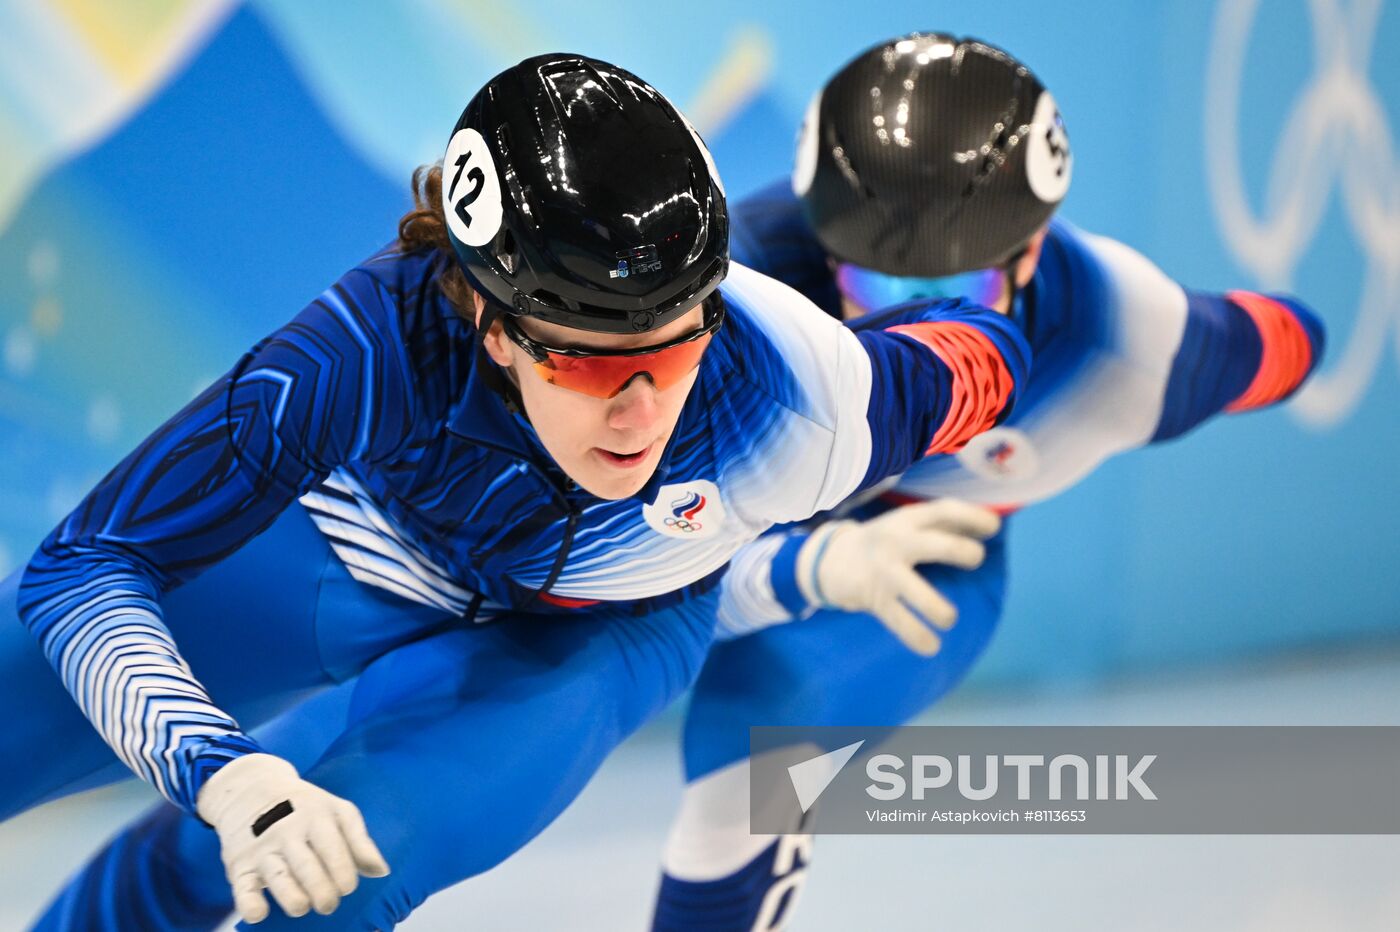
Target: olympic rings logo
{"points": [[685, 511], [677, 510], [1336, 134]]}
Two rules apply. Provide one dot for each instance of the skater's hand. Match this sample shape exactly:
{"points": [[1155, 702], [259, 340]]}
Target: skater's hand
{"points": [[870, 566], [280, 833]]}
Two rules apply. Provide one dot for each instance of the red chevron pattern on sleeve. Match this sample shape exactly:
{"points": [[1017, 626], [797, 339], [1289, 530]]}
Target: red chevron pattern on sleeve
{"points": [[981, 381], [1287, 352]]}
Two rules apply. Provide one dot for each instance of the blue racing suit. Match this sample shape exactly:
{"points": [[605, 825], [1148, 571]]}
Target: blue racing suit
{"points": [[1124, 357], [355, 493]]}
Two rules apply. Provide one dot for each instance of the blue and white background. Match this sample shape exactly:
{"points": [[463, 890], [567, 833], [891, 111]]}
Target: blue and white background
{"points": [[177, 178]]}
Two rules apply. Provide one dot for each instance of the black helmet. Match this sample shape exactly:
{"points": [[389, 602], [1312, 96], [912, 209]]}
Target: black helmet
{"points": [[576, 193], [931, 155]]}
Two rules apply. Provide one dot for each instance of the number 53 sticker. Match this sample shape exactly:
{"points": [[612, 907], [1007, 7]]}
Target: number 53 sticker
{"points": [[471, 190]]}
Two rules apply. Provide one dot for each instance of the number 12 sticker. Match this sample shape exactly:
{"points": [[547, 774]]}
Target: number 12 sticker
{"points": [[471, 190]]}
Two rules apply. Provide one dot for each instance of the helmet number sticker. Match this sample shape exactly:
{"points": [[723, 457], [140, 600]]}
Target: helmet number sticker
{"points": [[471, 191], [1049, 161], [804, 168], [477, 179]]}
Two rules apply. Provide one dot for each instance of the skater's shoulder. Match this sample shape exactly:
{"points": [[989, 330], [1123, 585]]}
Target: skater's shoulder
{"points": [[392, 298], [761, 307], [778, 343], [401, 277]]}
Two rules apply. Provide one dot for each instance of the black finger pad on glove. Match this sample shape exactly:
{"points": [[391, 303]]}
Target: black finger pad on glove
{"points": [[272, 816]]}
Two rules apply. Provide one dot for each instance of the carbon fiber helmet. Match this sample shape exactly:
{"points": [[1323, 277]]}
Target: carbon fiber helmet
{"points": [[576, 193], [931, 155]]}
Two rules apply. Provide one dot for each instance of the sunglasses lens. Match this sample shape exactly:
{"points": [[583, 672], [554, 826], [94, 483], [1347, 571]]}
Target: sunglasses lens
{"points": [[874, 291], [606, 376]]}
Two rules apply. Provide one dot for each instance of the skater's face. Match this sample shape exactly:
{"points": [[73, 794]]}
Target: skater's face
{"points": [[609, 446]]}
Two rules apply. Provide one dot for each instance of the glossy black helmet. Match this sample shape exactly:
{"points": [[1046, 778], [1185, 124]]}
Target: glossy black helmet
{"points": [[931, 155], [576, 193]]}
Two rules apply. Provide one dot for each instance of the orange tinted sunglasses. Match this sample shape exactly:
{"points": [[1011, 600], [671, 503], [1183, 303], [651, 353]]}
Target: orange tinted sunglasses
{"points": [[604, 374]]}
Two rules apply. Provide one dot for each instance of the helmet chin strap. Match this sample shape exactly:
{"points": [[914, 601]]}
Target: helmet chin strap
{"points": [[490, 313], [1021, 307], [499, 379], [1013, 291], [1013, 288]]}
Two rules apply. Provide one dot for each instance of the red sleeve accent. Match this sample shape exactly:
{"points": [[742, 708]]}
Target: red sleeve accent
{"points": [[565, 602], [981, 381], [1286, 356], [899, 499]]}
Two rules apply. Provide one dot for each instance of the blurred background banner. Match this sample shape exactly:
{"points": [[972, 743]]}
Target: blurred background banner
{"points": [[179, 178]]}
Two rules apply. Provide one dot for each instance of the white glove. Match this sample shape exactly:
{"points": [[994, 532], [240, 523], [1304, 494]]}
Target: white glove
{"points": [[277, 831], [869, 566]]}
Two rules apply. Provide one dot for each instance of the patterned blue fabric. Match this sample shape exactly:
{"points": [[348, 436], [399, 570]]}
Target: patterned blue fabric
{"points": [[143, 883], [1123, 355], [458, 747], [377, 386], [1219, 356], [731, 904], [903, 362]]}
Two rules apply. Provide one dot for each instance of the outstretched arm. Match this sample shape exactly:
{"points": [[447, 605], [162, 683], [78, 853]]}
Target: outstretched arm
{"points": [[920, 379], [1239, 351]]}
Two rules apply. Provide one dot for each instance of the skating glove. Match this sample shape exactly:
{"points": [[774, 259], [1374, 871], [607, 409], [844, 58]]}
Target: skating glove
{"points": [[280, 833], [870, 566]]}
